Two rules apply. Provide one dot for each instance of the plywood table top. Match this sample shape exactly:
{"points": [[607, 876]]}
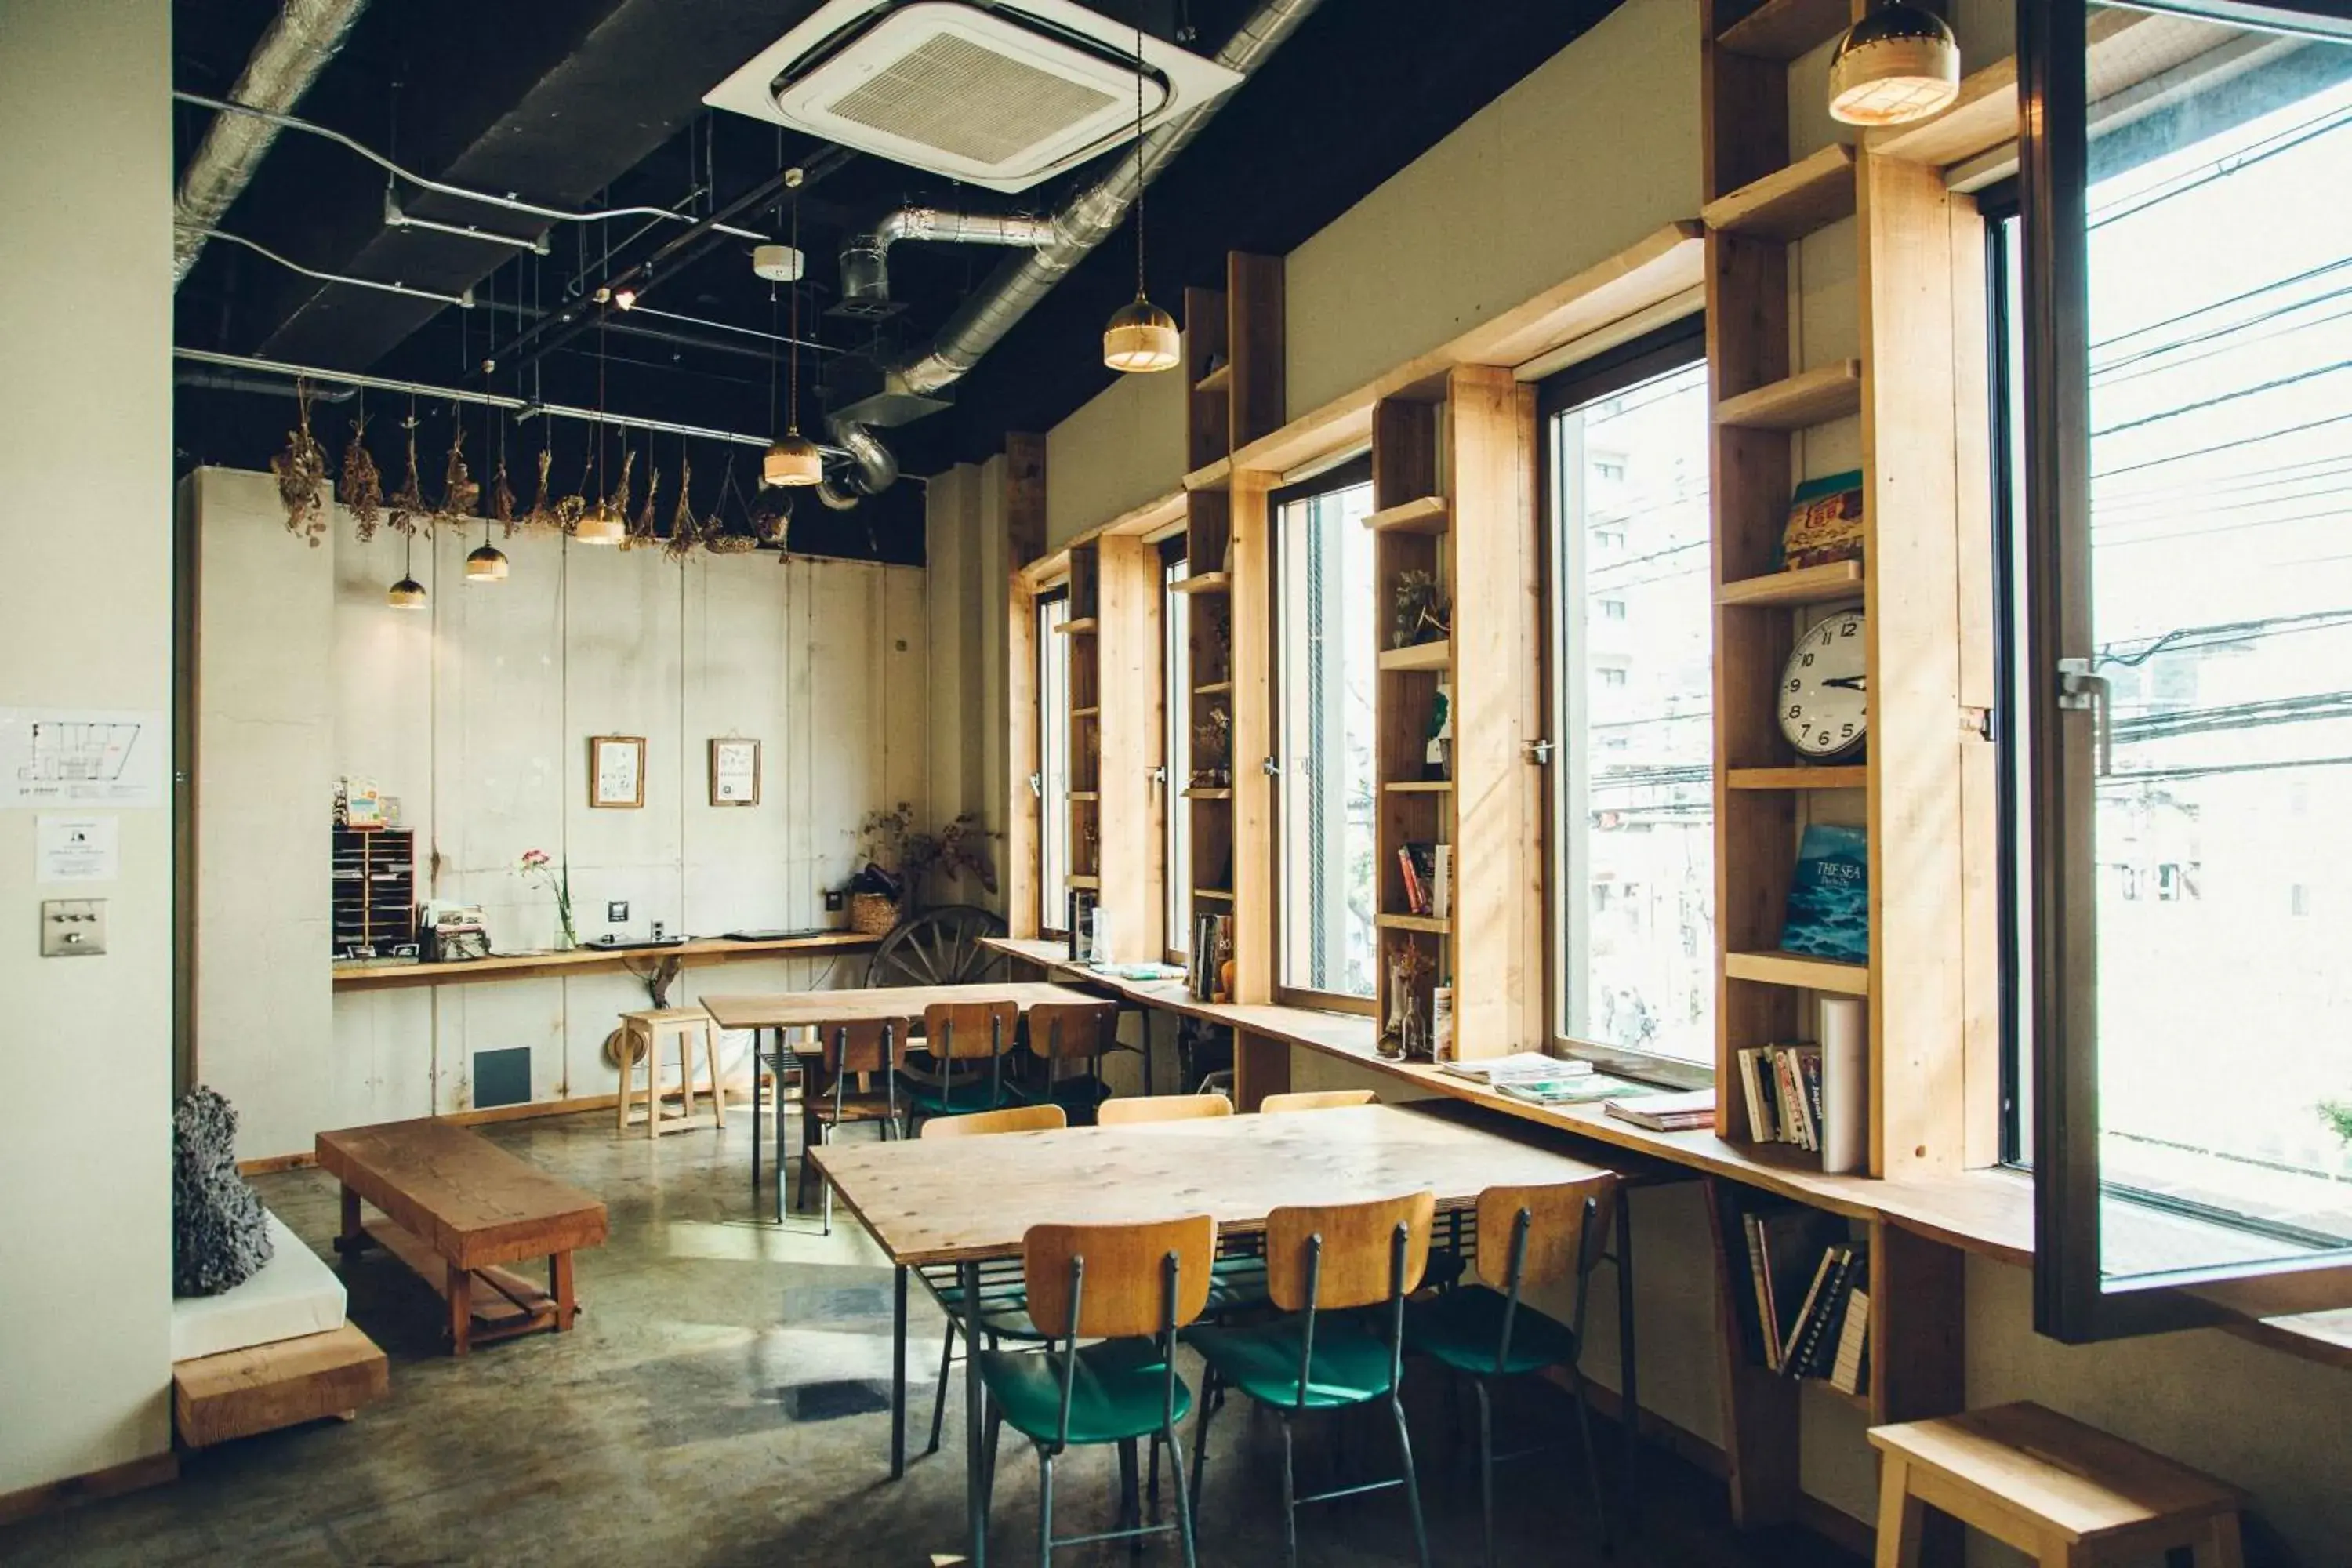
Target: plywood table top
{"points": [[952, 1199], [471, 1201], [790, 1009]]}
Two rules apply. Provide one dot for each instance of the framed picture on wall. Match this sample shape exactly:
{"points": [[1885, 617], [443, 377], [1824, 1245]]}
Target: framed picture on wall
{"points": [[616, 771], [734, 771]]}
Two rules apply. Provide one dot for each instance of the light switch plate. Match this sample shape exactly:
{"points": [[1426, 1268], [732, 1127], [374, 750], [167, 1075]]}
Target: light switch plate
{"points": [[73, 927], [616, 912]]}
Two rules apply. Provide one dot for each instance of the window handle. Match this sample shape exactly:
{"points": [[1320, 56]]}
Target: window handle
{"points": [[1037, 785], [1539, 752], [1157, 774], [2081, 691], [1271, 768]]}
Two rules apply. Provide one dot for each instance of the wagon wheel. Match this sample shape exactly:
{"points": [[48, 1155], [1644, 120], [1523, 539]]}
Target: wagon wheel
{"points": [[939, 947]]}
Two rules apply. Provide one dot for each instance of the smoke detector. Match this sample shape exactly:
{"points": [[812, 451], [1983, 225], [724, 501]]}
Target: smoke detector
{"points": [[999, 95]]}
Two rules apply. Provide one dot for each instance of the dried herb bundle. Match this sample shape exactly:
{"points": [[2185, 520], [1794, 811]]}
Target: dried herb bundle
{"points": [[408, 505], [684, 533], [617, 503], [645, 529], [502, 497], [542, 517], [459, 494], [362, 485], [301, 471]]}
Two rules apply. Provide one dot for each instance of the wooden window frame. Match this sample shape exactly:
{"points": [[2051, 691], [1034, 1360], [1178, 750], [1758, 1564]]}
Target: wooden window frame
{"points": [[1052, 903]]}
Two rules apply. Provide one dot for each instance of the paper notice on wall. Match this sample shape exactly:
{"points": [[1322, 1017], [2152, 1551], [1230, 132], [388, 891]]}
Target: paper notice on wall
{"points": [[82, 756], [78, 849]]}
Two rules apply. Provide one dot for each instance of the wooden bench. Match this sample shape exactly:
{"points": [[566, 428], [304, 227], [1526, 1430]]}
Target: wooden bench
{"points": [[263, 1387], [455, 1208]]}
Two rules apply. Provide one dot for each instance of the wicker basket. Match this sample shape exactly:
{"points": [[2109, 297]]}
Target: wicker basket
{"points": [[872, 914]]}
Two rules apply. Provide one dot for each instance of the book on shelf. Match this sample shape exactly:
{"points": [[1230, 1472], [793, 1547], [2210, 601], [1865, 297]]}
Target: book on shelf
{"points": [[1212, 945], [1829, 896], [1824, 522], [1424, 867], [1813, 1346], [1810, 1095], [1441, 889], [1785, 1246], [1496, 1072], [1850, 1369], [1679, 1113]]}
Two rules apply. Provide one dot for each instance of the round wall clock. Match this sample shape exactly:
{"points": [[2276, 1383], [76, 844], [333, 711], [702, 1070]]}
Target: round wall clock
{"points": [[1825, 707]]}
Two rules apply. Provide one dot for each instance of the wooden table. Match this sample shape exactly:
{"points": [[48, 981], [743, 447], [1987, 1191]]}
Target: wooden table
{"points": [[590, 958], [965, 1201], [782, 1010], [457, 1206]]}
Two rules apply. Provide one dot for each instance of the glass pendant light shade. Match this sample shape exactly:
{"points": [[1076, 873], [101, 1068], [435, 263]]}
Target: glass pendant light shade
{"points": [[1896, 64], [600, 525], [793, 459], [1142, 337], [488, 565], [408, 593]]}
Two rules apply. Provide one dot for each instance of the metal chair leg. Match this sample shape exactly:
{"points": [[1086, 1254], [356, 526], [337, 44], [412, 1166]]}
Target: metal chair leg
{"points": [[1130, 1502], [1151, 1489], [1201, 1435], [1630, 1404], [1485, 1468], [940, 1397], [1044, 1506], [825, 1139], [1290, 1503], [1591, 1465], [1183, 1495], [988, 1468], [1412, 1484]]}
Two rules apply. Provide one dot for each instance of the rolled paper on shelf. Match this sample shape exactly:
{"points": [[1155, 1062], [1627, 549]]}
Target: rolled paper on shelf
{"points": [[1845, 1076]]}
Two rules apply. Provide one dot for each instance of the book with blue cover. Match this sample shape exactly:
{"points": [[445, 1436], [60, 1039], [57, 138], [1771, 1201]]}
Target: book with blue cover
{"points": [[1829, 896]]}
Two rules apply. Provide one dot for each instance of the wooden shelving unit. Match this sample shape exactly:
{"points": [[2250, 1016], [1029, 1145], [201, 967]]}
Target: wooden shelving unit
{"points": [[1791, 203], [1797, 402], [1423, 514], [1082, 854], [374, 891], [1831, 584]]}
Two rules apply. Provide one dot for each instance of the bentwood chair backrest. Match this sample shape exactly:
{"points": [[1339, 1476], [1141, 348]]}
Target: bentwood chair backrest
{"points": [[1128, 1110], [1534, 1235], [970, 1031], [1313, 1099], [1012, 1119], [1118, 1281], [1331, 1257]]}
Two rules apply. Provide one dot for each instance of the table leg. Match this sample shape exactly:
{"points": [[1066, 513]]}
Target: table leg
{"points": [[461, 1309], [898, 1374], [353, 1239], [780, 1127], [1628, 1388], [559, 1285], [975, 1506], [755, 1113]]}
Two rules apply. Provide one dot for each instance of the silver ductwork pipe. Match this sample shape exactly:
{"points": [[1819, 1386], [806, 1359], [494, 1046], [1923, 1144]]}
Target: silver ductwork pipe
{"points": [[1091, 218], [875, 468], [865, 256], [296, 45]]}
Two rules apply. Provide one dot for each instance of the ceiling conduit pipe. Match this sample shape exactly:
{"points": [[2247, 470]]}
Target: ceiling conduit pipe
{"points": [[865, 256], [294, 48], [1091, 218]]}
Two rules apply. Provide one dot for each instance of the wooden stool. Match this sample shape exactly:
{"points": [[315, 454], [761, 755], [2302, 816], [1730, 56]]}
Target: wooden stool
{"points": [[2059, 1492], [643, 1034]]}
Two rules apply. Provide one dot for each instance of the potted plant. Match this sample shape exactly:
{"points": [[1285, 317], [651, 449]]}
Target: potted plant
{"points": [[898, 861], [538, 866]]}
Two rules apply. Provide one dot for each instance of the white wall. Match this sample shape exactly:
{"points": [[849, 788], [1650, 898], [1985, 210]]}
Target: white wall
{"points": [[476, 713], [86, 621]]}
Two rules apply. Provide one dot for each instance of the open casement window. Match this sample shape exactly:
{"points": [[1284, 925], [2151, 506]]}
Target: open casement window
{"points": [[2180, 607], [1175, 744], [1053, 764], [1631, 878], [1325, 663]]}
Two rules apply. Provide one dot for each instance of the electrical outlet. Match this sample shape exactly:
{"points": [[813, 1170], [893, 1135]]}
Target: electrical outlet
{"points": [[833, 900], [616, 912], [73, 927]]}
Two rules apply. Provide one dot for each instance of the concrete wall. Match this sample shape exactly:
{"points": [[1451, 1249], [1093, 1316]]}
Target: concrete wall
{"points": [[86, 621], [476, 713], [1594, 148]]}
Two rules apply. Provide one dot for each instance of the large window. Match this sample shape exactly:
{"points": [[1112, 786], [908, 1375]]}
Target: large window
{"points": [[1324, 656], [2180, 459], [1176, 744], [1633, 871], [1052, 782]]}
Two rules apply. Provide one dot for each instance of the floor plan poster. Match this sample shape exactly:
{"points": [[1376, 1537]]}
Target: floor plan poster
{"points": [[75, 756]]}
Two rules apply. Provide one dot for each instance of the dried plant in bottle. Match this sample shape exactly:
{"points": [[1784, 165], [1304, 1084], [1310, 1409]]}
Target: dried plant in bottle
{"points": [[406, 507], [459, 494], [362, 485], [301, 471], [684, 531]]}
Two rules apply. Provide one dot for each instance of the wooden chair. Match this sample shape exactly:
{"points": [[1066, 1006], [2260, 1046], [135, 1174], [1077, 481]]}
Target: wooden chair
{"points": [[1074, 1031], [955, 1035], [1130, 1109], [851, 1050], [1130, 1289], [1314, 1099], [1321, 1261], [644, 1034], [1004, 1304], [2067, 1495], [1526, 1237]]}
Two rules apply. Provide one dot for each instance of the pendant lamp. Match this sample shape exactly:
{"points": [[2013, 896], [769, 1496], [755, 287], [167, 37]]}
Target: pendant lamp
{"points": [[791, 459], [600, 524], [488, 565], [1898, 64], [1140, 337], [408, 593]]}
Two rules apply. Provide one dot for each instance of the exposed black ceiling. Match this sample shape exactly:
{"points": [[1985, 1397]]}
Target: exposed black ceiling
{"points": [[580, 103]]}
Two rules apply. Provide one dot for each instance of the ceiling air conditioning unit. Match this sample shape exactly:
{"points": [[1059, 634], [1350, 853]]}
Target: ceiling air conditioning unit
{"points": [[1001, 96]]}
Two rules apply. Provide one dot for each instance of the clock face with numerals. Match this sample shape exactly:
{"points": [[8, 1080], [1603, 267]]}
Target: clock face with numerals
{"points": [[1825, 707]]}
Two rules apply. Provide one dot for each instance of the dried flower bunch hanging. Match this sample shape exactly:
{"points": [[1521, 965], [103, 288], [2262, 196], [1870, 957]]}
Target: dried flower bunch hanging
{"points": [[407, 506], [716, 537], [460, 496], [542, 518], [301, 471], [502, 496], [684, 533], [362, 485], [617, 503], [645, 529]]}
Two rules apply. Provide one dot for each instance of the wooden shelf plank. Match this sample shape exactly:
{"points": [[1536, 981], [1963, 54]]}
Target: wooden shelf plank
{"points": [[1213, 688], [1083, 883], [1223, 893], [1795, 969], [1420, 656], [1082, 626], [1205, 582], [1790, 203], [1214, 476], [1085, 795], [1218, 380], [1413, 923], [1811, 397], [1208, 795], [1426, 514], [1852, 776], [1086, 713], [1418, 786], [1806, 586], [1784, 29]]}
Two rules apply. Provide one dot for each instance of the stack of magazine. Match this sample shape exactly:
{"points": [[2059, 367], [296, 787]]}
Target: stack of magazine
{"points": [[1541, 1079]]}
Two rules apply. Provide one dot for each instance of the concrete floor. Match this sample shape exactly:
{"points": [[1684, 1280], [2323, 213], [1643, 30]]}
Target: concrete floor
{"points": [[724, 1401]]}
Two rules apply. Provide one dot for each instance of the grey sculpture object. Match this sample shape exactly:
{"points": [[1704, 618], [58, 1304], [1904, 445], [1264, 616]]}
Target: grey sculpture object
{"points": [[219, 1236]]}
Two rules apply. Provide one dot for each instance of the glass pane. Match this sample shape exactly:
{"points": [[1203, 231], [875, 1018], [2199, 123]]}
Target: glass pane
{"points": [[1328, 657], [1176, 666], [1634, 878], [2220, 599], [1054, 763]]}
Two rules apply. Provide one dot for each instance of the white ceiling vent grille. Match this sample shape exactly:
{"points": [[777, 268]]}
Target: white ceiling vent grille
{"points": [[994, 96]]}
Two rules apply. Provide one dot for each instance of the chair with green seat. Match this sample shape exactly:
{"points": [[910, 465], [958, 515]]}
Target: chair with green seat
{"points": [[1004, 1304], [957, 1035], [1063, 1032], [1322, 1264], [1526, 1237], [1130, 1289]]}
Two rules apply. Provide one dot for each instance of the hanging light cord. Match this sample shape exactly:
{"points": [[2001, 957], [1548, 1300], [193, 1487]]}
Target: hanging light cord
{"points": [[1138, 161], [792, 419]]}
